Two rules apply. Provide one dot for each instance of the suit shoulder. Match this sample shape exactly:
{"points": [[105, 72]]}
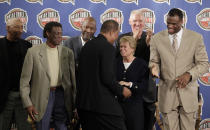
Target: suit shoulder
{"points": [[192, 33], [70, 40], [161, 33], [36, 48], [64, 48], [27, 43]]}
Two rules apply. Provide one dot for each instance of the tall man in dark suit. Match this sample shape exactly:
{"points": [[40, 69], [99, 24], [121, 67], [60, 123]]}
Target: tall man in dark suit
{"points": [[137, 24], [180, 56], [88, 28], [12, 54], [97, 104]]}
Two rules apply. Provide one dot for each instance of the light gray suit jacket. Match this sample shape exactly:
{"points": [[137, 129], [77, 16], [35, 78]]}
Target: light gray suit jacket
{"points": [[191, 57], [35, 80]]}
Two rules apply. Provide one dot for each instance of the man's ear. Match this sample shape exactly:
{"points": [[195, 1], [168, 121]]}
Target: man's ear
{"points": [[47, 33], [7, 28]]}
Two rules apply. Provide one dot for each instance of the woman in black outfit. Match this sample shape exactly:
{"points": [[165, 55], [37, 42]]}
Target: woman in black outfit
{"points": [[132, 72]]}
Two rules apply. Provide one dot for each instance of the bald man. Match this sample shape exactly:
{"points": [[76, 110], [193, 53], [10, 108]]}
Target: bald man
{"points": [[12, 54], [88, 29]]}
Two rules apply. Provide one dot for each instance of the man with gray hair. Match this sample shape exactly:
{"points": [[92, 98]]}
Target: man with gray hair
{"points": [[137, 23], [12, 54]]}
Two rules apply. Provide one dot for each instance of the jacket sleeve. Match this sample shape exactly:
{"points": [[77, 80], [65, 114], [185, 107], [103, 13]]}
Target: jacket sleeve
{"points": [[200, 60], [72, 76], [25, 79], [107, 73], [154, 55]]}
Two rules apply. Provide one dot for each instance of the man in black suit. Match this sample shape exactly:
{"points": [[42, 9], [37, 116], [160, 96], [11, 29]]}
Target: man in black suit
{"points": [[88, 29], [97, 103], [12, 54], [137, 24]]}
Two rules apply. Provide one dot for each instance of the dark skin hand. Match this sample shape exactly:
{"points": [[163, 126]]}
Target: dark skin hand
{"points": [[183, 80], [31, 111]]}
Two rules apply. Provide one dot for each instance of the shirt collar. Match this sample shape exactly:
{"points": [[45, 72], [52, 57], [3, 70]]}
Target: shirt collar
{"points": [[83, 42]]}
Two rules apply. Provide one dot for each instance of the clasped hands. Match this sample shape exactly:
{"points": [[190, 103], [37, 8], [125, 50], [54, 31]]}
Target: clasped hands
{"points": [[181, 81], [126, 92]]}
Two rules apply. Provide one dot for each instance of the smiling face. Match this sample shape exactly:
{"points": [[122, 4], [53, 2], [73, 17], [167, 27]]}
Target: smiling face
{"points": [[88, 29], [136, 22], [174, 24], [125, 49]]}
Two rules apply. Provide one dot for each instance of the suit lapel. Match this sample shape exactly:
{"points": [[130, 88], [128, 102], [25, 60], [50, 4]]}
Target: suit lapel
{"points": [[60, 61], [79, 44], [44, 60], [167, 41]]}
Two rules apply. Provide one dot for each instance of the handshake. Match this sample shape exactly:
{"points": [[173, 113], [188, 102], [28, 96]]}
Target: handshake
{"points": [[126, 91]]}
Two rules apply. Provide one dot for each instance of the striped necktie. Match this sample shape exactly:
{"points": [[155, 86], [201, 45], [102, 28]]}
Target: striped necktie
{"points": [[175, 43]]}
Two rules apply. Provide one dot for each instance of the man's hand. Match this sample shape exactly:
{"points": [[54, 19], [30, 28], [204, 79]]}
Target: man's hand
{"points": [[126, 92], [137, 34], [183, 80], [31, 111], [154, 72], [149, 35]]}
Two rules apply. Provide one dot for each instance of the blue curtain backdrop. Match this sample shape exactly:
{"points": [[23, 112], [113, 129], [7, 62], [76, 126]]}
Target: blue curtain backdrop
{"points": [[70, 13]]}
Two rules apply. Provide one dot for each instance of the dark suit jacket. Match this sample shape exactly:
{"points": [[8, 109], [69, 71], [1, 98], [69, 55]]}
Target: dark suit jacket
{"points": [[75, 44], [5, 70], [143, 51], [97, 86]]}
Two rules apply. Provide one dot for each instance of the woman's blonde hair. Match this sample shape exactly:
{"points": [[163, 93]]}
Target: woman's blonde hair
{"points": [[130, 40]]}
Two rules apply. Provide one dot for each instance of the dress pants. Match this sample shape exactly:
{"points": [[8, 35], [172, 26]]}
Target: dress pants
{"points": [[177, 118], [55, 112], [134, 114], [14, 110], [97, 121]]}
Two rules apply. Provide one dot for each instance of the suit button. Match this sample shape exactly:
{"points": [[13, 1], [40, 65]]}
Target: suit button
{"points": [[124, 78], [136, 86], [115, 96], [124, 71]]}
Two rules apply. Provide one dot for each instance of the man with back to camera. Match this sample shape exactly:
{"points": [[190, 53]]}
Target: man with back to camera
{"points": [[88, 28], [48, 84], [12, 53], [137, 23], [180, 56], [97, 105]]}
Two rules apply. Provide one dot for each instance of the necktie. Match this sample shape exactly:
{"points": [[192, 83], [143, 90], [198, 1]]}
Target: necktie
{"points": [[175, 43]]}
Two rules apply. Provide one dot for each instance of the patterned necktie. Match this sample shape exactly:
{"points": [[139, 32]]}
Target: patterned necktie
{"points": [[175, 43]]}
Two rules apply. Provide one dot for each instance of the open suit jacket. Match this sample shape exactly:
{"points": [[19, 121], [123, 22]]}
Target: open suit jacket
{"points": [[5, 70], [35, 80], [190, 57], [75, 44], [97, 86]]}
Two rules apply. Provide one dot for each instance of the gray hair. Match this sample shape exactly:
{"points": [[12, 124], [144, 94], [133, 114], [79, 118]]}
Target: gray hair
{"points": [[136, 12], [12, 21]]}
